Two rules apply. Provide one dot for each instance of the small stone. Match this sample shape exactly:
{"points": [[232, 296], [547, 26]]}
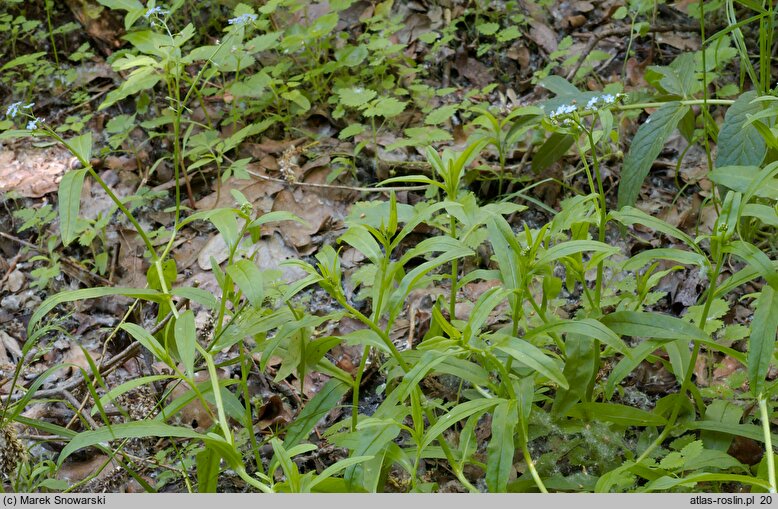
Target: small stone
{"points": [[15, 281], [11, 302]]}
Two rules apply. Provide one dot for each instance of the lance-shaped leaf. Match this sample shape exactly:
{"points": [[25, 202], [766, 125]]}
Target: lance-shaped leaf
{"points": [[740, 143], [70, 203], [762, 342], [646, 146]]}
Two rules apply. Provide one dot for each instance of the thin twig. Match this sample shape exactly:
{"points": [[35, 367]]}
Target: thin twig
{"points": [[620, 32], [68, 261], [106, 368], [340, 187]]}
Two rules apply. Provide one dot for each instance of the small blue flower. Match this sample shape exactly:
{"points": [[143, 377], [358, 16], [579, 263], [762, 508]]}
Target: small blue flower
{"points": [[155, 11], [242, 19], [15, 108], [33, 124], [608, 98], [563, 110], [592, 104]]}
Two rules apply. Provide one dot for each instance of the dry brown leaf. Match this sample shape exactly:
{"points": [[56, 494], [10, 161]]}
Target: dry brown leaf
{"points": [[543, 36], [253, 189], [75, 471], [310, 207], [33, 173], [105, 28], [272, 414], [683, 43]]}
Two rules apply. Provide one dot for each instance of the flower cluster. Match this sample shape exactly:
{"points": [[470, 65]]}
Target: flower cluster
{"points": [[15, 108], [242, 19], [606, 99], [155, 11], [563, 110], [34, 123]]}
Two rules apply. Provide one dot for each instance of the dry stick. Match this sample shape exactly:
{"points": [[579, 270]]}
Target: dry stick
{"points": [[623, 31], [334, 186], [11, 266], [68, 261], [117, 360]]}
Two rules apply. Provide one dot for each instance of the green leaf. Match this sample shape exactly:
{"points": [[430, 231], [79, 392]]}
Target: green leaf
{"points": [[69, 196], [82, 147], [501, 446], [369, 440], [199, 295], [169, 274], [313, 411], [186, 336], [386, 107], [429, 360], [208, 470], [617, 414], [125, 5], [652, 325], [226, 222], [533, 357], [442, 114], [143, 429], [751, 431], [90, 293], [249, 279], [646, 146], [456, 414], [297, 97], [766, 214], [554, 148], [761, 344], [262, 42], [631, 215], [289, 467], [127, 386], [143, 337], [359, 238], [669, 253], [337, 467], [756, 258], [140, 79], [581, 368], [488, 29], [679, 77], [355, 97], [573, 247], [740, 144], [586, 327], [558, 85], [352, 130], [666, 483], [275, 216], [22, 60], [746, 179], [720, 411]]}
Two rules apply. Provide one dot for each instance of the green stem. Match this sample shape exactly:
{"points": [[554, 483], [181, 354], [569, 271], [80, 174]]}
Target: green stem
{"points": [[241, 471], [687, 102], [355, 390], [689, 368], [705, 113], [86, 164], [768, 442], [452, 302], [51, 31], [531, 466], [381, 333], [511, 393]]}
